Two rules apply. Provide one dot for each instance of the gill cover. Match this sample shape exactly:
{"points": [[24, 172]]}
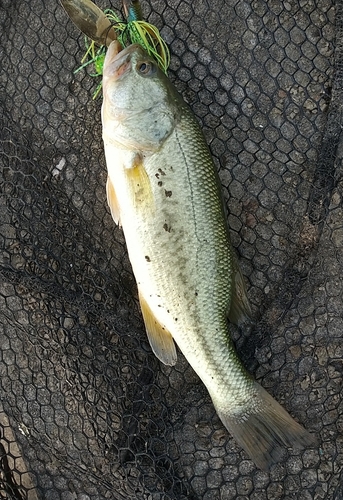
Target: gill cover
{"points": [[138, 109]]}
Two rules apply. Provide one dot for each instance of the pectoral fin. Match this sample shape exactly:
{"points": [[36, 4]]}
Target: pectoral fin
{"points": [[139, 189], [139, 185], [112, 201], [160, 339]]}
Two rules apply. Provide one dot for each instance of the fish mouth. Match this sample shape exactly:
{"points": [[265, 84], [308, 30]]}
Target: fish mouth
{"points": [[117, 61]]}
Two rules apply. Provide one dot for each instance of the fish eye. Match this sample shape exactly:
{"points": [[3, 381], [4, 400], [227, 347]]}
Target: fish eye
{"points": [[146, 68]]}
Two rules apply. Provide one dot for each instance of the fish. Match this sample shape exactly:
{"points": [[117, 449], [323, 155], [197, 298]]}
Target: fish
{"points": [[164, 190]]}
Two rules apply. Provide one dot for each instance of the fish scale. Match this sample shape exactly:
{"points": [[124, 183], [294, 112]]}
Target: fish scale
{"points": [[181, 279], [163, 189]]}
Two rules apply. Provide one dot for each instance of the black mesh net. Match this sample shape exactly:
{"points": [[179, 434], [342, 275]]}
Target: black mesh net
{"points": [[86, 411]]}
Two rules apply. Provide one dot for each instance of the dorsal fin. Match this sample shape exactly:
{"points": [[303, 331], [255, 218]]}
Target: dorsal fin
{"points": [[240, 310]]}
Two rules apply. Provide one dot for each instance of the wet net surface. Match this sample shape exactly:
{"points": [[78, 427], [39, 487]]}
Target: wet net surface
{"points": [[86, 411]]}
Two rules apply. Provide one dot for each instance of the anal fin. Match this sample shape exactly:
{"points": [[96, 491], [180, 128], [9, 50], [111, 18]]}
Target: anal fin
{"points": [[160, 339]]}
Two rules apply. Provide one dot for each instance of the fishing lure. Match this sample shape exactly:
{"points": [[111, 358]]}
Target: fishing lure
{"points": [[133, 30]]}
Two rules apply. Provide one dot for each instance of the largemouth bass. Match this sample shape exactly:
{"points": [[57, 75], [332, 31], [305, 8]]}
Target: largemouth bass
{"points": [[163, 189]]}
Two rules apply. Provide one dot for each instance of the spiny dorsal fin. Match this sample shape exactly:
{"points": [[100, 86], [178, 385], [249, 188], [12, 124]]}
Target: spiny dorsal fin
{"points": [[112, 201], [160, 339]]}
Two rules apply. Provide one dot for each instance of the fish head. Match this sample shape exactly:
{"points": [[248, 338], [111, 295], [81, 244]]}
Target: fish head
{"points": [[139, 109]]}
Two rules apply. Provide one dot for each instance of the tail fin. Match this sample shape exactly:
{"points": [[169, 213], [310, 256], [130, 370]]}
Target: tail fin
{"points": [[265, 429]]}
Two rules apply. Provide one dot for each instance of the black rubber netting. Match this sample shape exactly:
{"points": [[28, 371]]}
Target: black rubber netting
{"points": [[86, 411]]}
